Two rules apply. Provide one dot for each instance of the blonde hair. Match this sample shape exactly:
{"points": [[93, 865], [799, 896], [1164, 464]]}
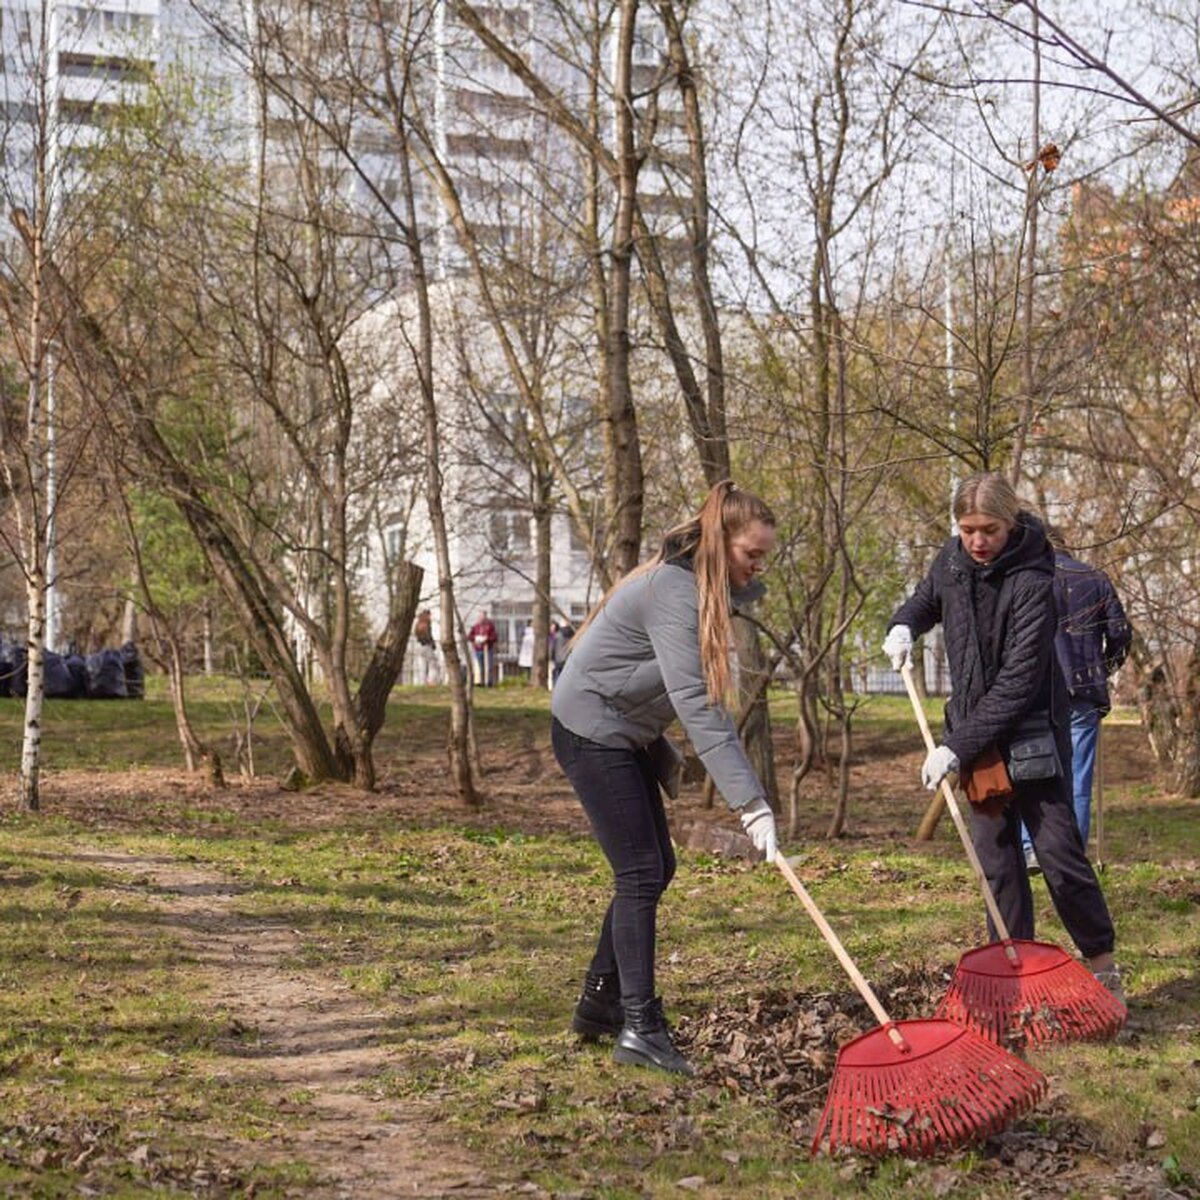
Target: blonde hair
{"points": [[987, 492], [726, 511]]}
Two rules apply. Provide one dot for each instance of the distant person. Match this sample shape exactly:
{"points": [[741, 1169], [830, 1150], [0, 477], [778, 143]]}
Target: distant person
{"points": [[657, 647], [525, 653], [560, 644], [1091, 643], [992, 589], [483, 646], [427, 658]]}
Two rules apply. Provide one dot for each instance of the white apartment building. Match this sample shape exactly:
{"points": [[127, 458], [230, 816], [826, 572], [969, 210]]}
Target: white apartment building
{"points": [[68, 65], [79, 61], [507, 160], [487, 487]]}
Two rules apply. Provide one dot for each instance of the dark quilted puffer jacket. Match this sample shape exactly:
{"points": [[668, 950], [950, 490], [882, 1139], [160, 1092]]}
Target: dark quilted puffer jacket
{"points": [[999, 621]]}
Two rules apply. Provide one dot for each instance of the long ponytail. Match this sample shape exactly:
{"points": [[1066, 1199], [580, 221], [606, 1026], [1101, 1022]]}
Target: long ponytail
{"points": [[726, 511]]}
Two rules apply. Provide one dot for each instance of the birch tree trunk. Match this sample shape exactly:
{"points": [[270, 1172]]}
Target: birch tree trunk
{"points": [[32, 515], [35, 694]]}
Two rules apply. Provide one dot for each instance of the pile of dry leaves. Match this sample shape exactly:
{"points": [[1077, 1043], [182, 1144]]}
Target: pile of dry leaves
{"points": [[83, 1147], [781, 1047]]}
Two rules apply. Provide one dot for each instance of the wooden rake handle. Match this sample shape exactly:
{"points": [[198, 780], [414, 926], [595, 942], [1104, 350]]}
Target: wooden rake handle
{"points": [[856, 976], [959, 824]]}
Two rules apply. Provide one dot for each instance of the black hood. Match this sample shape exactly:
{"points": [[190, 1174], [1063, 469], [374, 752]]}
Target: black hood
{"points": [[1027, 549]]}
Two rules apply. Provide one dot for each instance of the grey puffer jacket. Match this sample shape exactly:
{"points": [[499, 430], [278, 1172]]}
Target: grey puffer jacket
{"points": [[637, 667], [999, 621]]}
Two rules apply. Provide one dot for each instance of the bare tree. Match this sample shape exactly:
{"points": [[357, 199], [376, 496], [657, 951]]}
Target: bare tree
{"points": [[165, 628], [639, 121], [41, 447], [1062, 38], [217, 340], [1127, 492], [612, 289], [845, 121], [396, 55]]}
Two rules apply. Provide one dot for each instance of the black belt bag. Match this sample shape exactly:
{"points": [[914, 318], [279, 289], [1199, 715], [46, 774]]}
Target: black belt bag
{"points": [[1032, 753]]}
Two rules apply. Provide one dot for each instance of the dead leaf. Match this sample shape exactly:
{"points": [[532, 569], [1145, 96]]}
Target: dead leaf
{"points": [[894, 1116], [1048, 158]]}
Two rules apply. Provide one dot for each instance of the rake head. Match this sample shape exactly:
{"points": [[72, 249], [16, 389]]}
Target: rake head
{"points": [[1046, 996], [950, 1086]]}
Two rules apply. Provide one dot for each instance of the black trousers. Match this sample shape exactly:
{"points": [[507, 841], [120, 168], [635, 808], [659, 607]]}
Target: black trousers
{"points": [[1046, 808], [619, 792]]}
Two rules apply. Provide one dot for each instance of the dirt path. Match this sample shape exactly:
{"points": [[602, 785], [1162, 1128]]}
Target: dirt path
{"points": [[303, 1034]]}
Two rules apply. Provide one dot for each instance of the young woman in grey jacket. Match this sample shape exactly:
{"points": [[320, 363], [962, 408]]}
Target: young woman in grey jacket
{"points": [[657, 647]]}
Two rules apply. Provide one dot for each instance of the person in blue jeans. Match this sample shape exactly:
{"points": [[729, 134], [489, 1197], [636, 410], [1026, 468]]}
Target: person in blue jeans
{"points": [[1091, 643]]}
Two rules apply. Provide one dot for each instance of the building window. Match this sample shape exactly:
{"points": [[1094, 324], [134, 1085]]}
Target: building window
{"points": [[508, 533], [503, 423], [110, 69], [646, 51]]}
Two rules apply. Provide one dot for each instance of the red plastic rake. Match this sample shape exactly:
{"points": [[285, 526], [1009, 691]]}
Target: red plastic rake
{"points": [[915, 1087], [1016, 991]]}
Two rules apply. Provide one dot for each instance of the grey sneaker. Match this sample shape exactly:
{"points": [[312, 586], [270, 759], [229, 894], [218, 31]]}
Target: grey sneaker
{"points": [[1110, 977], [1031, 863]]}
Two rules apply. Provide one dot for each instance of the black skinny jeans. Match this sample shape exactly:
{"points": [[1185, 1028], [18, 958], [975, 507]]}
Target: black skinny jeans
{"points": [[1049, 815], [619, 792]]}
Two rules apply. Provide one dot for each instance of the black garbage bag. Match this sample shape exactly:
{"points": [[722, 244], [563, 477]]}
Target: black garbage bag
{"points": [[62, 682], [79, 676], [14, 678], [17, 672], [135, 672], [106, 675]]}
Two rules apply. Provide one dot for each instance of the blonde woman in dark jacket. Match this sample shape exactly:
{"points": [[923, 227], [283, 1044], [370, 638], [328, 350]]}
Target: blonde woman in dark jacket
{"points": [[992, 589], [657, 647]]}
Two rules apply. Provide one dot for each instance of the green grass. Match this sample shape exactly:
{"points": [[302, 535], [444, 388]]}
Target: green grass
{"points": [[122, 735], [105, 1044], [471, 941]]}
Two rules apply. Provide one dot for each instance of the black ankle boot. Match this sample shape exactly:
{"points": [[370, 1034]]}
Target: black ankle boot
{"points": [[599, 1012], [646, 1040]]}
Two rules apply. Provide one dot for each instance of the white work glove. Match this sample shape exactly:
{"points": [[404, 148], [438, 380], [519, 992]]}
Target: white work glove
{"points": [[939, 763], [898, 646], [759, 822]]}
